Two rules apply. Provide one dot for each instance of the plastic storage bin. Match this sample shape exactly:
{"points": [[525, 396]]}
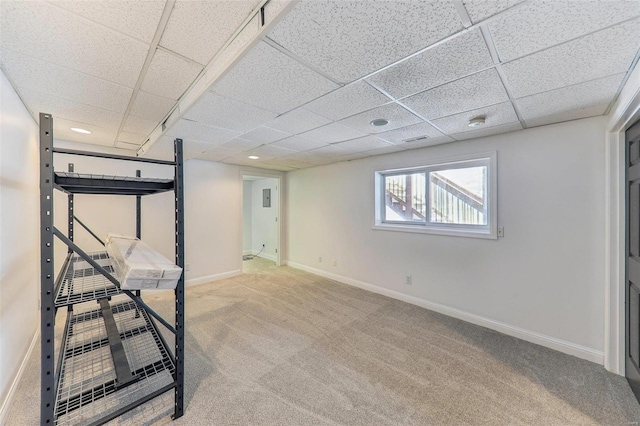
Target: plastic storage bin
{"points": [[139, 267]]}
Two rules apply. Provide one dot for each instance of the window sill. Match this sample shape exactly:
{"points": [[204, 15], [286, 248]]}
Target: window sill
{"points": [[483, 234]]}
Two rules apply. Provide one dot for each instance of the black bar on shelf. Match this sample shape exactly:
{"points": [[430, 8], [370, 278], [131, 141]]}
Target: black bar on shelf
{"points": [[179, 291], [111, 278], [61, 358], [63, 272], [47, 307], [133, 405], [88, 229], [120, 361], [112, 156]]}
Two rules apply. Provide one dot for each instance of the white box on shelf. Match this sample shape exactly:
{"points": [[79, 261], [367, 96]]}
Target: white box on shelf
{"points": [[139, 267]]}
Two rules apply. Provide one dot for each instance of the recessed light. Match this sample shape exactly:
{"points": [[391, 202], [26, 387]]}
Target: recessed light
{"points": [[253, 157], [79, 130], [379, 122], [477, 121]]}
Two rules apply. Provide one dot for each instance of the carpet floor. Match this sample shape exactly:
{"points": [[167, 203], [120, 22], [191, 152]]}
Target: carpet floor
{"points": [[279, 346]]}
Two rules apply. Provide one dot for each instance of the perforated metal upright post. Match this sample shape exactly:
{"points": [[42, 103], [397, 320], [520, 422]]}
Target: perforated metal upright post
{"points": [[47, 308], [179, 199], [70, 218], [138, 212]]}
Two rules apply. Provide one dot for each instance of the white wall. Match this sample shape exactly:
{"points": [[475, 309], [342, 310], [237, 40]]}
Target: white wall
{"points": [[264, 228], [246, 216], [544, 281], [213, 222], [19, 237]]}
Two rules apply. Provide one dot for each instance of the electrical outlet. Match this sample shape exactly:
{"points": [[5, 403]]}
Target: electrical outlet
{"points": [[319, 259], [335, 262], [187, 267], [408, 280], [500, 232]]}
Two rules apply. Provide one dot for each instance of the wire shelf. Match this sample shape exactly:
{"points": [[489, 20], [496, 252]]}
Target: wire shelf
{"points": [[82, 183], [87, 389], [82, 283]]}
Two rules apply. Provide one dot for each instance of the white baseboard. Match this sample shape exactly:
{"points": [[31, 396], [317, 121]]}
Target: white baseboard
{"points": [[563, 346], [6, 404], [246, 252], [214, 277]]}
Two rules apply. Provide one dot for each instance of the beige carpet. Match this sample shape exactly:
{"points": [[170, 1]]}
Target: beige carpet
{"points": [[278, 346]]}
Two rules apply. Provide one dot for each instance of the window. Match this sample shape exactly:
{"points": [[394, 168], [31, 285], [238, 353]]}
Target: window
{"points": [[451, 198]]}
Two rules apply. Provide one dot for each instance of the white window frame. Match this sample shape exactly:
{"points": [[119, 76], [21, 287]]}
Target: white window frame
{"points": [[488, 231]]}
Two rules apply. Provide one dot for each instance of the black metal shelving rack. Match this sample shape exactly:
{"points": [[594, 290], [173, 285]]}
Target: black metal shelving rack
{"points": [[112, 358]]}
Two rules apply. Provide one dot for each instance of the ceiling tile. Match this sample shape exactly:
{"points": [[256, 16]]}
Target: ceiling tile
{"points": [[348, 100], [99, 135], [574, 114], [241, 160], [217, 154], [363, 144], [137, 19], [62, 108], [240, 145], [131, 138], [350, 39], [269, 79], [298, 143], [139, 125], [394, 113], [288, 162], [198, 29], [194, 149], [169, 75], [330, 151], [65, 39], [583, 95], [479, 10], [538, 25], [218, 111], [490, 131], [422, 143], [306, 157], [191, 130], [483, 88], [265, 134], [495, 115], [298, 121], [386, 150], [54, 80], [410, 132], [268, 151], [127, 146], [334, 132], [597, 55], [463, 55], [353, 156], [151, 107]]}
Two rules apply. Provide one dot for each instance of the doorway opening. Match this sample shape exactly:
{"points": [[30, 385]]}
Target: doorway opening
{"points": [[260, 223]]}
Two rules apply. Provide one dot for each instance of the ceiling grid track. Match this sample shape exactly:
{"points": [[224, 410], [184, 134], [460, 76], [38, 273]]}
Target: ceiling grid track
{"points": [[164, 19], [298, 59], [488, 39]]}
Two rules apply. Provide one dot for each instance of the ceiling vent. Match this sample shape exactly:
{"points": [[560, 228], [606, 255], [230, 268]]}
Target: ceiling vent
{"points": [[419, 138]]}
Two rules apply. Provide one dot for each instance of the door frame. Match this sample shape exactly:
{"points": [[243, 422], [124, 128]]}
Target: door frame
{"points": [[281, 200], [624, 113]]}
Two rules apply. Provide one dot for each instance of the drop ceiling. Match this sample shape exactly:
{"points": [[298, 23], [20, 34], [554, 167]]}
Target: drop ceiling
{"points": [[305, 94]]}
